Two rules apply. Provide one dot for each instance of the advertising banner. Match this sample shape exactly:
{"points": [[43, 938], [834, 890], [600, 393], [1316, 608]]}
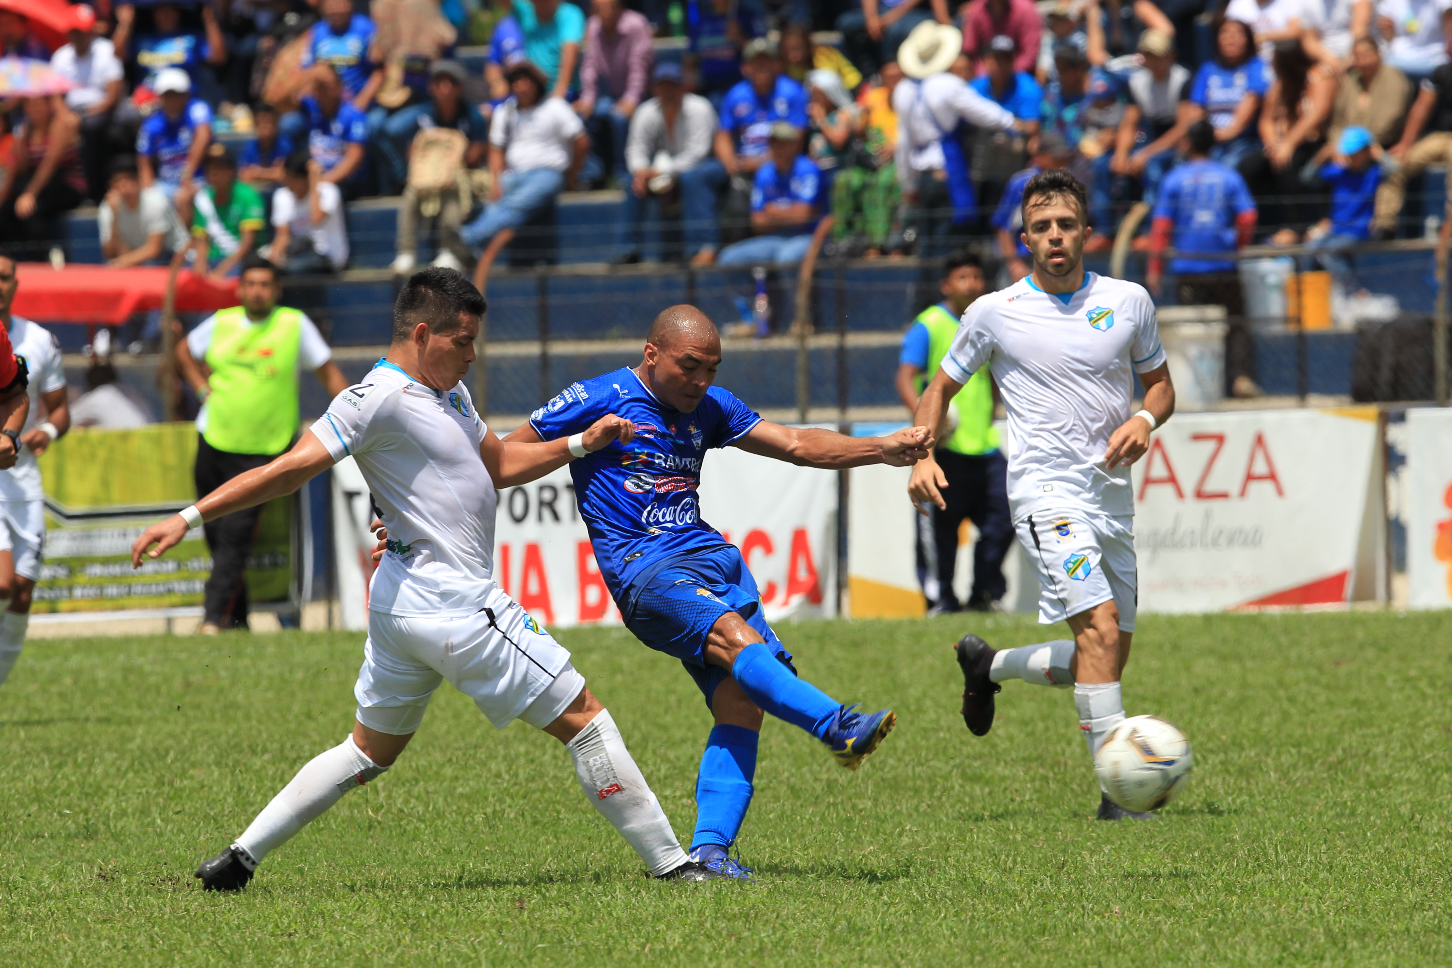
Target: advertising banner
{"points": [[1259, 509], [352, 542], [102, 489], [1428, 490], [783, 517]]}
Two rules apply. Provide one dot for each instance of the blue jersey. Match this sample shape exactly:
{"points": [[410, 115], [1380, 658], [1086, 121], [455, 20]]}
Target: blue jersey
{"points": [[1353, 198], [167, 143], [1220, 90], [347, 52], [1024, 98], [804, 183], [329, 138], [747, 116], [1009, 216], [157, 52], [640, 500], [253, 153], [1203, 198], [506, 41], [1065, 113], [709, 33]]}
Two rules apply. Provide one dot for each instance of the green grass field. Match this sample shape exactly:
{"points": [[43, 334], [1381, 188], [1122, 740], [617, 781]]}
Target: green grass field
{"points": [[1315, 830]]}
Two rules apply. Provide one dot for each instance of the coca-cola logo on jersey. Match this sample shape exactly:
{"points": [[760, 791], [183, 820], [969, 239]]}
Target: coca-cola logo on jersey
{"points": [[670, 515]]}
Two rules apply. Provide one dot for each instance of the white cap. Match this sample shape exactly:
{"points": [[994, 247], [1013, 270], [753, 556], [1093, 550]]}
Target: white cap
{"points": [[172, 79]]}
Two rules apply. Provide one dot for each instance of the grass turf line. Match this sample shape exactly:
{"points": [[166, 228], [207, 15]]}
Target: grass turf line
{"points": [[1315, 829]]}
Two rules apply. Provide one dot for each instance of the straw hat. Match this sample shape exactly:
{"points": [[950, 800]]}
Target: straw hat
{"points": [[930, 49]]}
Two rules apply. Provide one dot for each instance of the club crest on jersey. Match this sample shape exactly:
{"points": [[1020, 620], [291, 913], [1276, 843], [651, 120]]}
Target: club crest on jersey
{"points": [[1077, 567], [457, 402], [1101, 319], [696, 435]]}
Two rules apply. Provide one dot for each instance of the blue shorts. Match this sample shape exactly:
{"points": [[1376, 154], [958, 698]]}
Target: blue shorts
{"points": [[673, 610]]}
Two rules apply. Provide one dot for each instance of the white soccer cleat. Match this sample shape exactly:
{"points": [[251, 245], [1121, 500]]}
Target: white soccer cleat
{"points": [[404, 263]]}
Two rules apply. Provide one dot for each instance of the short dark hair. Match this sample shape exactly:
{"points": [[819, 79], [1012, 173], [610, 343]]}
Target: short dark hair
{"points": [[957, 260], [1201, 135], [252, 261], [435, 296], [124, 165], [296, 164], [1055, 183]]}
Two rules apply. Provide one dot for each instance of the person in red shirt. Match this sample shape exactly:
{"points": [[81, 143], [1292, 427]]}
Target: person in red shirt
{"points": [[985, 19]]}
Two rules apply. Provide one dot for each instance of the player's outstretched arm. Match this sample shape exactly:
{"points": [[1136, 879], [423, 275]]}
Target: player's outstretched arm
{"points": [[1129, 443], [814, 447], [928, 480], [518, 461], [307, 459]]}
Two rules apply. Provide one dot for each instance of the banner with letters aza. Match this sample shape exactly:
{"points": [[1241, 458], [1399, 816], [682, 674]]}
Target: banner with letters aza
{"points": [[1259, 509]]}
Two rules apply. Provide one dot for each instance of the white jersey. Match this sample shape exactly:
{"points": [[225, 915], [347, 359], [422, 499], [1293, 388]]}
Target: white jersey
{"points": [[1065, 369], [418, 449], [42, 355]]}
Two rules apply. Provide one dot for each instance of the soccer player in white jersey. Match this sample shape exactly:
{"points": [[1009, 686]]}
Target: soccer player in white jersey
{"points": [[22, 499], [435, 611], [1063, 346]]}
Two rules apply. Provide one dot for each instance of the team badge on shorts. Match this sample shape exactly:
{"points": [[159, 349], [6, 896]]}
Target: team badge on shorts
{"points": [[1101, 319], [1063, 529], [1077, 566]]}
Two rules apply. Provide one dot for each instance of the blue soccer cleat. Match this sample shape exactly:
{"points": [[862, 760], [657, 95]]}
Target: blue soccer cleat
{"points": [[854, 735], [714, 858]]}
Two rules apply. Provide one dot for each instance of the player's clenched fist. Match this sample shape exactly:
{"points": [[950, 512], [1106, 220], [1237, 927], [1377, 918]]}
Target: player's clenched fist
{"points": [[609, 427], [164, 534], [926, 485], [1128, 443], [907, 446]]}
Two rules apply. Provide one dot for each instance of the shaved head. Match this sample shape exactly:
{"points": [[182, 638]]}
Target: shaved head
{"points": [[683, 323]]}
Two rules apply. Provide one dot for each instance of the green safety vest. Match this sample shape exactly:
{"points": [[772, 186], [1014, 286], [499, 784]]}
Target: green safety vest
{"points": [[974, 403], [253, 407]]}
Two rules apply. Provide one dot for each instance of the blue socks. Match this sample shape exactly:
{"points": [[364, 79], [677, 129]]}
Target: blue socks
{"points": [[723, 787], [776, 689]]}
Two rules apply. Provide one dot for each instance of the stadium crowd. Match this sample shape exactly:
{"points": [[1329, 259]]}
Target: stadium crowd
{"points": [[209, 130]]}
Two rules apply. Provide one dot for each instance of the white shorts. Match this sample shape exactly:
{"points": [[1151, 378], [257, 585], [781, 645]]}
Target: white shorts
{"points": [[22, 533], [508, 665], [1083, 559]]}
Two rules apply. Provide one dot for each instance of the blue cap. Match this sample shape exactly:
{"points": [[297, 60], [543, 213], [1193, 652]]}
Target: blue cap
{"points": [[1103, 85], [1353, 140], [667, 71]]}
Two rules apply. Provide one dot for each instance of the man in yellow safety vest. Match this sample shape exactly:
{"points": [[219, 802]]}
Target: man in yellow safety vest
{"points": [[967, 451], [249, 393]]}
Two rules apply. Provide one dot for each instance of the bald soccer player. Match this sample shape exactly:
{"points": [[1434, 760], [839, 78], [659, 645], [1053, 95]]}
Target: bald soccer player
{"points": [[681, 587]]}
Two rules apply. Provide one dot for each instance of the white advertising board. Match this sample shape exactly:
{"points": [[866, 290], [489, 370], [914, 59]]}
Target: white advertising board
{"points": [[1428, 490]]}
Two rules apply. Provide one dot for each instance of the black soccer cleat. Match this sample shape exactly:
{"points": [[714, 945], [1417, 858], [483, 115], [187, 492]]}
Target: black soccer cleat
{"points": [[228, 871], [1109, 810], [693, 872], [975, 658]]}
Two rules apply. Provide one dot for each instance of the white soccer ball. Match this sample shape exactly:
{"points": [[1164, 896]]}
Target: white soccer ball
{"points": [[1144, 763]]}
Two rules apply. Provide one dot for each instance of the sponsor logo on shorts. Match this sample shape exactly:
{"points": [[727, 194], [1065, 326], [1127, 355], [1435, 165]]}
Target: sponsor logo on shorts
{"points": [[612, 788], [1077, 567], [1101, 319], [1063, 529]]}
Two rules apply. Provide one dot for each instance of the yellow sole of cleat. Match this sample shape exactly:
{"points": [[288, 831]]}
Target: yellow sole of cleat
{"points": [[852, 759]]}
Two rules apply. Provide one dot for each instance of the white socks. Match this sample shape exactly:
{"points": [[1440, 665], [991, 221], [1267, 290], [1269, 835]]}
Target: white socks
{"points": [[12, 638], [1045, 664], [614, 786], [317, 786], [1101, 708]]}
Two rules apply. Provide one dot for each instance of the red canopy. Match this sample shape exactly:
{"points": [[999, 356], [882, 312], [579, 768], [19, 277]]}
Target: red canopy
{"points": [[49, 19], [97, 294]]}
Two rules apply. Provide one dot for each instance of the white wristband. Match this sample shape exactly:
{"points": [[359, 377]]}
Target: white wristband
{"points": [[577, 446], [191, 516], [1150, 417], [50, 428]]}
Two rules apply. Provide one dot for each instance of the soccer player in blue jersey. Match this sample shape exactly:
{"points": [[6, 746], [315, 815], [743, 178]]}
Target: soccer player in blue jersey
{"points": [[682, 589]]}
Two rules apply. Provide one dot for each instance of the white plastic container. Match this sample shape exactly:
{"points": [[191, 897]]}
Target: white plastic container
{"points": [[1264, 281], [1194, 341]]}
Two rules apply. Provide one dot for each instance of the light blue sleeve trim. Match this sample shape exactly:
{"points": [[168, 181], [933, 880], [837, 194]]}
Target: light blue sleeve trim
{"points": [[1153, 353], [334, 427]]}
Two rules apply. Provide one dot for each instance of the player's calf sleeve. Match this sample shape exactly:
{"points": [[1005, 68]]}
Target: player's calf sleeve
{"points": [[776, 689], [1045, 664], [723, 787], [1101, 708], [317, 786], [12, 638], [614, 786]]}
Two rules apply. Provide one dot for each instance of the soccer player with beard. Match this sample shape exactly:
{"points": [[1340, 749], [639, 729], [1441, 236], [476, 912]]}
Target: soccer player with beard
{"points": [[1063, 345], [682, 589], [435, 611]]}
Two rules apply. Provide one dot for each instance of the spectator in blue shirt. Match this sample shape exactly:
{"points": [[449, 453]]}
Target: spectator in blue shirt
{"points": [[1051, 151], [997, 155], [718, 31], [1229, 89], [260, 160], [753, 106], [1066, 97], [787, 202], [1352, 179], [506, 45], [171, 142], [554, 33], [334, 131], [170, 43], [1208, 209], [345, 40]]}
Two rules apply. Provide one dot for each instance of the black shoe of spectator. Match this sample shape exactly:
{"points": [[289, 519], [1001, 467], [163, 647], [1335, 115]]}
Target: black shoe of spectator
{"points": [[628, 259]]}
